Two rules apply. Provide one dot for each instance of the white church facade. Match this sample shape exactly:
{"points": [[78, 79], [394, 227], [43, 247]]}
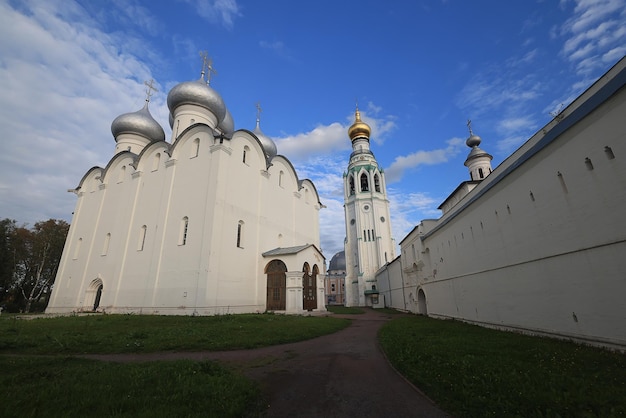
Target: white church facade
{"points": [[539, 244], [212, 222]]}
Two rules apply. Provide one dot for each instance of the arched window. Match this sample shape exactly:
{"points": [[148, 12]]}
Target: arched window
{"points": [[156, 161], [376, 183], [245, 153], [79, 243], [480, 173], [105, 246], [281, 176], [351, 185], [121, 175], [365, 186], [184, 227], [195, 148], [142, 238], [240, 234]]}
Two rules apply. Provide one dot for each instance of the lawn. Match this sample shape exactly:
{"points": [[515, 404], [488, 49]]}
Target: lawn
{"points": [[40, 377], [340, 309], [472, 371], [84, 334]]}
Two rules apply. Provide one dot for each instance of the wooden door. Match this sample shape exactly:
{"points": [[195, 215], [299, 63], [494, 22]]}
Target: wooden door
{"points": [[276, 286]]}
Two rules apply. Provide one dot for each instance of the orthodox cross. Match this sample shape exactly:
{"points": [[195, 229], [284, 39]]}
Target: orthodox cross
{"points": [[207, 63], [150, 88], [469, 126], [258, 112]]}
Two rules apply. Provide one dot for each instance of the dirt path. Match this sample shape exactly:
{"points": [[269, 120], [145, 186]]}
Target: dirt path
{"points": [[344, 374]]}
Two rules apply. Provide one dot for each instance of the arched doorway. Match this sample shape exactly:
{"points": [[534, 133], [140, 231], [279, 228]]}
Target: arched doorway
{"points": [[276, 272], [309, 285], [421, 303], [93, 295]]}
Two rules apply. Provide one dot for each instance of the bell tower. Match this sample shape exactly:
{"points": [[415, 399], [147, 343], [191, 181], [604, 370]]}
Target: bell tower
{"points": [[368, 244]]}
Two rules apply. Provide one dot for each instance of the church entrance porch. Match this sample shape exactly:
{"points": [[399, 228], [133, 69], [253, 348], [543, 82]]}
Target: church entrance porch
{"points": [[276, 285]]}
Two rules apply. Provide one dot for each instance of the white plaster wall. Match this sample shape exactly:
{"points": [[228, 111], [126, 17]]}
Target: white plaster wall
{"points": [[215, 189], [540, 250]]}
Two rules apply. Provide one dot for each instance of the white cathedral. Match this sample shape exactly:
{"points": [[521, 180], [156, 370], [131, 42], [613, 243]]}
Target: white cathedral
{"points": [[212, 222]]}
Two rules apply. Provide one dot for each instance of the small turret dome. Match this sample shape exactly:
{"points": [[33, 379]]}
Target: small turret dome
{"points": [[140, 122], [358, 128], [473, 141], [197, 93], [268, 145]]}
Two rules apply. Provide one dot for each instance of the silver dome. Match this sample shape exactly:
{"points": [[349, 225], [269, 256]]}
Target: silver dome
{"points": [[338, 262], [140, 123], [473, 141], [268, 145], [227, 126], [197, 93]]}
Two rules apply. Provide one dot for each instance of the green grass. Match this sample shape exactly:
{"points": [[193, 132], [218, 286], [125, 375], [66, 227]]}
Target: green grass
{"points": [[338, 309], [71, 387], [49, 383], [472, 371], [141, 334]]}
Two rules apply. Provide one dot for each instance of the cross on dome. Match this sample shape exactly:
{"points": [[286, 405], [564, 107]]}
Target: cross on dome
{"points": [[258, 112], [150, 89], [207, 67]]}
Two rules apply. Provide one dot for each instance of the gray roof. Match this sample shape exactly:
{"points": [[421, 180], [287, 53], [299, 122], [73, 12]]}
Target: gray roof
{"points": [[286, 250]]}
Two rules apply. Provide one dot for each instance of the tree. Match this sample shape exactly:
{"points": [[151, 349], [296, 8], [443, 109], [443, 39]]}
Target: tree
{"points": [[37, 253], [7, 264]]}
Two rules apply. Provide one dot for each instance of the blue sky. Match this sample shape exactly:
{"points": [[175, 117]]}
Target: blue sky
{"points": [[418, 70]]}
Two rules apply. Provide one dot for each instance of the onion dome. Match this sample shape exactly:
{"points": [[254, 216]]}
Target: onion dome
{"points": [[268, 145], [140, 123], [473, 140], [359, 128], [197, 93], [227, 126], [338, 262]]}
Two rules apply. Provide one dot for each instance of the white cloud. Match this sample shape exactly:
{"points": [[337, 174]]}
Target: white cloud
{"points": [[63, 82], [404, 163], [217, 11], [596, 25]]}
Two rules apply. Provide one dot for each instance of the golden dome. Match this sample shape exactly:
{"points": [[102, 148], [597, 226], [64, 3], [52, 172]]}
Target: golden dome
{"points": [[358, 128]]}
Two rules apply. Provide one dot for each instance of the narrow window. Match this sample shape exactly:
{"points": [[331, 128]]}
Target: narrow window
{"points": [[184, 226], [240, 234], [364, 183], [589, 164], [332, 287], [480, 173], [376, 183], [351, 185], [79, 243], [156, 161], [105, 246], [121, 175], [281, 175], [562, 181], [195, 148], [364, 236], [245, 154], [609, 153], [368, 235], [142, 238], [532, 196]]}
